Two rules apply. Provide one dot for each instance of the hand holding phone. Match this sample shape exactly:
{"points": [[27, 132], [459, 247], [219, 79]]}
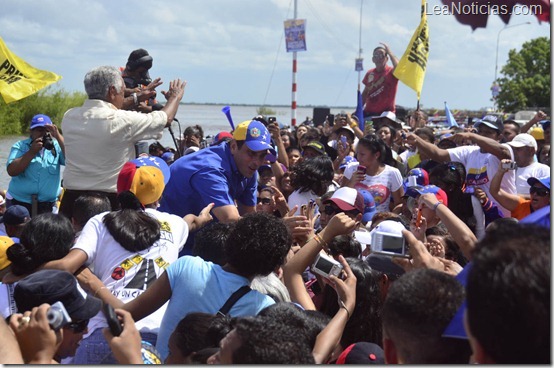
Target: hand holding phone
{"points": [[509, 165], [331, 119], [113, 321]]}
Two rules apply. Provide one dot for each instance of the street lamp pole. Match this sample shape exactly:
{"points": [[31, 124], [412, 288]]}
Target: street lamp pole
{"points": [[497, 43]]}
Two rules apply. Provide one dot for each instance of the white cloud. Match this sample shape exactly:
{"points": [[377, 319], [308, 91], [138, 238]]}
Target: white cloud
{"points": [[227, 49]]}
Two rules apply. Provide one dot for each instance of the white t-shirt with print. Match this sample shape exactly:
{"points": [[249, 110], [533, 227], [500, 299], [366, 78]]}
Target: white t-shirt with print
{"points": [[381, 186], [481, 168], [128, 274], [535, 170]]}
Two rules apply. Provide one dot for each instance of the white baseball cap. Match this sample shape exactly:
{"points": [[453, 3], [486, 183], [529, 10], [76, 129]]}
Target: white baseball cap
{"points": [[523, 140]]}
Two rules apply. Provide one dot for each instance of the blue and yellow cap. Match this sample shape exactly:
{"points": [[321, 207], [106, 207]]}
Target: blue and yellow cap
{"points": [[255, 135]]}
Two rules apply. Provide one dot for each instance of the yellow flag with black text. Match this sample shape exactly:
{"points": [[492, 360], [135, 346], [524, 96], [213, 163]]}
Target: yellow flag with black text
{"points": [[411, 67], [19, 79]]}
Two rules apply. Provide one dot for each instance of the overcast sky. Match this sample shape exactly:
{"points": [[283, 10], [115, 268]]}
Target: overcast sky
{"points": [[233, 51]]}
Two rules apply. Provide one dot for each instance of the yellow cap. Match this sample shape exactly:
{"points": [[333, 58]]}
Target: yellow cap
{"points": [[537, 133], [5, 243]]}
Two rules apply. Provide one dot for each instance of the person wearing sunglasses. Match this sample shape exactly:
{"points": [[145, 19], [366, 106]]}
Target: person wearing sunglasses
{"points": [[539, 193], [51, 286], [265, 202]]}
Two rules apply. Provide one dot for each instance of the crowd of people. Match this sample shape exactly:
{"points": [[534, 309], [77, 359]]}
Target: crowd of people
{"points": [[397, 243]]}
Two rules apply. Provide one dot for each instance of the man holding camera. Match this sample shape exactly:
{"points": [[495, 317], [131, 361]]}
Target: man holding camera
{"points": [[34, 165], [140, 90]]}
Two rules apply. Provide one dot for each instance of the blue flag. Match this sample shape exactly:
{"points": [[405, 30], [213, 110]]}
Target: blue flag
{"points": [[360, 111], [449, 117]]}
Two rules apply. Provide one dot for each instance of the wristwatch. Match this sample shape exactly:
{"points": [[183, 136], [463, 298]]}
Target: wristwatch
{"points": [[135, 98]]}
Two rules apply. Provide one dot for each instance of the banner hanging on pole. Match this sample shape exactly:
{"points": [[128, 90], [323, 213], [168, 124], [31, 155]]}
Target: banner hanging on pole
{"points": [[18, 79], [295, 35], [411, 67], [359, 64]]}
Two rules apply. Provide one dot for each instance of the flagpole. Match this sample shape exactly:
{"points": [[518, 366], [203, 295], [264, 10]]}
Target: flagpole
{"points": [[293, 104], [360, 45]]}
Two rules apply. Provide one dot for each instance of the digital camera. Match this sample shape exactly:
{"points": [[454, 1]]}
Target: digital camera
{"points": [[388, 244], [326, 266], [509, 165], [57, 316], [47, 141]]}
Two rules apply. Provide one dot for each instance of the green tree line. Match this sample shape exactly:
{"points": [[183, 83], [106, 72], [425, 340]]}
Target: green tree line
{"points": [[15, 118], [526, 81]]}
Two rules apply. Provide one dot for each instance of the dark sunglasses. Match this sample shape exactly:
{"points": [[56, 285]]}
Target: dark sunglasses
{"points": [[541, 192], [330, 210], [78, 327], [264, 200]]}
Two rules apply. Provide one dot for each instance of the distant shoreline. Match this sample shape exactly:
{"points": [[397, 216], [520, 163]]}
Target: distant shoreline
{"points": [[258, 105]]}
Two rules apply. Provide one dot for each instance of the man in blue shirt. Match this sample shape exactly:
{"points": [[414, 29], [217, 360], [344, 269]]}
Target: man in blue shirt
{"points": [[34, 165], [222, 174]]}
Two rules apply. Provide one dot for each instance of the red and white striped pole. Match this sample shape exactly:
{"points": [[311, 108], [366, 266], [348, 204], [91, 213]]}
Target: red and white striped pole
{"points": [[293, 104]]}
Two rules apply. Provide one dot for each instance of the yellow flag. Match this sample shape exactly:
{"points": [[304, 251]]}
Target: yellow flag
{"points": [[411, 68], [19, 79]]}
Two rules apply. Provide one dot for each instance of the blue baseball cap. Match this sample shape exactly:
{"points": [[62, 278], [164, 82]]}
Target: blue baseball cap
{"points": [[255, 135], [154, 161], [421, 175], [347, 159], [544, 181], [15, 215], [168, 157], [40, 120], [438, 192], [369, 206], [545, 124], [492, 121]]}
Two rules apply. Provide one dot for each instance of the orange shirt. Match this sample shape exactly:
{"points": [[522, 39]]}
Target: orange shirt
{"points": [[523, 208]]}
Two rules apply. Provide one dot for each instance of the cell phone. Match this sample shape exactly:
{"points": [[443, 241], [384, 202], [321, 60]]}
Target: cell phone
{"points": [[362, 169], [509, 166], [326, 266], [343, 140], [331, 119], [388, 244], [113, 321], [271, 119]]}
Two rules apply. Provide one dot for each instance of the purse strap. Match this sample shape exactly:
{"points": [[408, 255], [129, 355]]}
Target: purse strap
{"points": [[233, 299]]}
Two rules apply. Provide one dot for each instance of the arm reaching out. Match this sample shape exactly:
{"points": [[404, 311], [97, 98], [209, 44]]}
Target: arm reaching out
{"points": [[195, 223], [330, 336]]}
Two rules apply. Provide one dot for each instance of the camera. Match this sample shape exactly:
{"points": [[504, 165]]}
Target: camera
{"points": [[326, 266], [57, 316], [388, 244], [47, 141], [271, 119], [509, 165], [331, 119]]}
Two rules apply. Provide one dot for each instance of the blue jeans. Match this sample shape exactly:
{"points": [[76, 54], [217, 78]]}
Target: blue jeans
{"points": [[96, 350]]}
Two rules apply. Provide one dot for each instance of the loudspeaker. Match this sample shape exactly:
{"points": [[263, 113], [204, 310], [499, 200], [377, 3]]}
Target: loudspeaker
{"points": [[320, 113]]}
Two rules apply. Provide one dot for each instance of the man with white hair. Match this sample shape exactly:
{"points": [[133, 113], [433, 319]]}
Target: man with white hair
{"points": [[100, 137], [524, 147]]}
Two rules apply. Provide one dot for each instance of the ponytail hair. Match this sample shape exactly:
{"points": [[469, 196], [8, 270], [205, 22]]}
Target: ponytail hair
{"points": [[45, 238], [131, 227]]}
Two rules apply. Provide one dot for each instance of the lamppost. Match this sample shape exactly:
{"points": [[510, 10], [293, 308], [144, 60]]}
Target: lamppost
{"points": [[497, 43]]}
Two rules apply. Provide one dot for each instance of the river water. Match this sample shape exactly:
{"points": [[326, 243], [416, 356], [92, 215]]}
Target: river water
{"points": [[209, 117]]}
